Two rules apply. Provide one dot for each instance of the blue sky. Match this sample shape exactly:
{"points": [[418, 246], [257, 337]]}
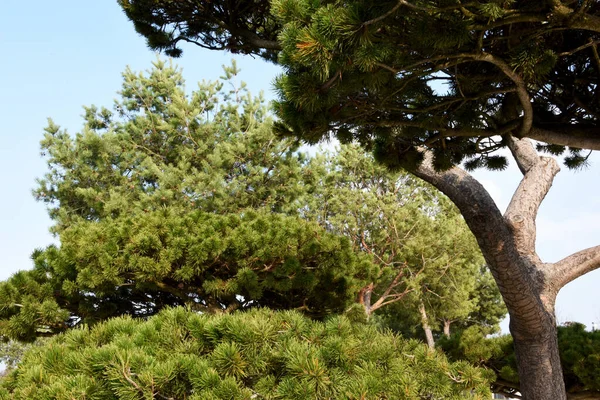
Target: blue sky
{"points": [[61, 55]]}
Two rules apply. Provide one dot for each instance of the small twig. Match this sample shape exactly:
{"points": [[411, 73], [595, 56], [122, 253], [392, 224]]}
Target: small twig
{"points": [[591, 43], [331, 81], [384, 16]]}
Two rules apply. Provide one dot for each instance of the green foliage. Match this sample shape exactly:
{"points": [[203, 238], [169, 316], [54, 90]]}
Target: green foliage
{"points": [[176, 198], [580, 356], [257, 354], [368, 70], [139, 264], [189, 199], [416, 237], [211, 149], [238, 29]]}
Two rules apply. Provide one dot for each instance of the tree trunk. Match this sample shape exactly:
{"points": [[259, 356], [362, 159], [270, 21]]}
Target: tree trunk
{"points": [[538, 364], [364, 298], [425, 325], [447, 328], [527, 285]]}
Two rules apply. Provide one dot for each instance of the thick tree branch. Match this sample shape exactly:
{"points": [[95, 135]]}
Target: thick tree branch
{"points": [[515, 275], [586, 22], [451, 132], [256, 40], [564, 135], [576, 19], [523, 152], [522, 210], [522, 92], [573, 266], [475, 203]]}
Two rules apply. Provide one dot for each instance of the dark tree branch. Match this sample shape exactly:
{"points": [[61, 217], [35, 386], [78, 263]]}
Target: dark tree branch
{"points": [[591, 43], [384, 16], [567, 135]]}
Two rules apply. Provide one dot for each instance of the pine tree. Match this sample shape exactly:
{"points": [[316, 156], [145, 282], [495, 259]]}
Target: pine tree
{"points": [[176, 199], [424, 250], [259, 354], [181, 199], [513, 71]]}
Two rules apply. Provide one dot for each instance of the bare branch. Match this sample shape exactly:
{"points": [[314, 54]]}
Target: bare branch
{"points": [[522, 210], [513, 19], [521, 88], [384, 16], [388, 290], [573, 266], [331, 81], [591, 43], [596, 57], [523, 152]]}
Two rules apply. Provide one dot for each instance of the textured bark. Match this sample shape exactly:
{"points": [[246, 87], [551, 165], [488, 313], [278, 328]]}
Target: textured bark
{"points": [[528, 286], [426, 327]]}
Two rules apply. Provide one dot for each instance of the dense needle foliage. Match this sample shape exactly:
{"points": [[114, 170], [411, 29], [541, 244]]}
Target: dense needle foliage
{"points": [[252, 355]]}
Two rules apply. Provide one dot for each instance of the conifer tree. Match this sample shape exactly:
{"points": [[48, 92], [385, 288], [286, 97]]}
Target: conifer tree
{"points": [[425, 252], [512, 71], [259, 354], [176, 199], [190, 200]]}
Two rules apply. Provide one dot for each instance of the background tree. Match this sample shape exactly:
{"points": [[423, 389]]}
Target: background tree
{"points": [[176, 200], [513, 71], [11, 353], [429, 261], [190, 200]]}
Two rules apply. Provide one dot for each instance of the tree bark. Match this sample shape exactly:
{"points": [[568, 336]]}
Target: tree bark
{"points": [[447, 328], [364, 299], [425, 325], [527, 285]]}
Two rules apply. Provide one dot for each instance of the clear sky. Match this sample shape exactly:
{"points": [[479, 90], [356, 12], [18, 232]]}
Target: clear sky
{"points": [[61, 55]]}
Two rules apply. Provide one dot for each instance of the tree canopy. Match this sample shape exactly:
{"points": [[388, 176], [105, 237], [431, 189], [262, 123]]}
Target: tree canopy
{"points": [[176, 200], [366, 70], [424, 250]]}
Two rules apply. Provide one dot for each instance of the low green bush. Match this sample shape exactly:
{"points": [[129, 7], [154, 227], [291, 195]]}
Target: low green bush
{"points": [[258, 354]]}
